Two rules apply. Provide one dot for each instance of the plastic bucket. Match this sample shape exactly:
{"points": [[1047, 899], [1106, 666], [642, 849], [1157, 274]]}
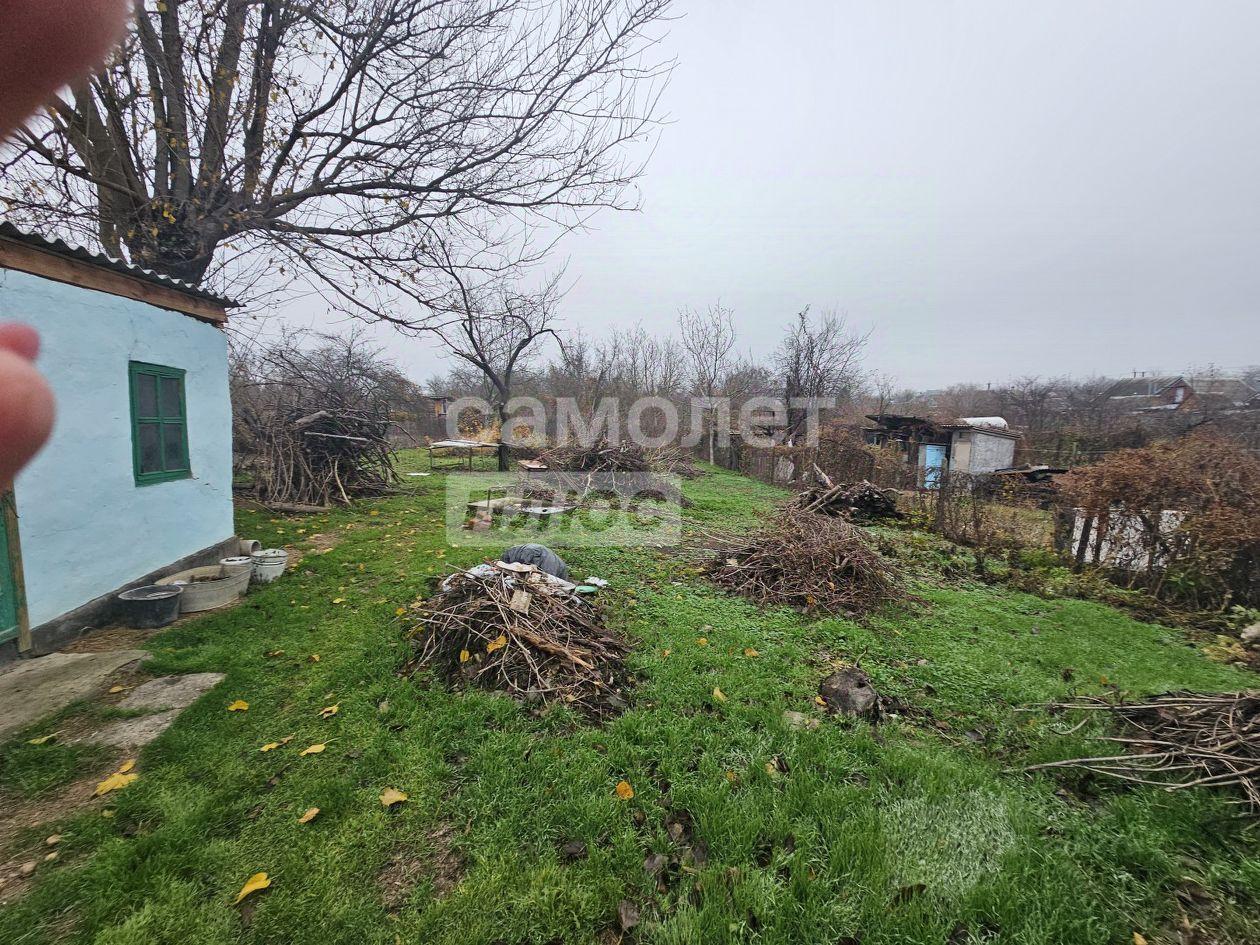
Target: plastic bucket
{"points": [[237, 563], [151, 606], [269, 564]]}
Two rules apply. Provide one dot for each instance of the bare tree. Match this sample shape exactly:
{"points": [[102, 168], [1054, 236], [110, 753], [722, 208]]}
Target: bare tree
{"points": [[708, 337], [358, 146], [818, 358], [497, 330]]}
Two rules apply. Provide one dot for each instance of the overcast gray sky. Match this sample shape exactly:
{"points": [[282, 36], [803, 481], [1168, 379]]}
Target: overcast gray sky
{"points": [[993, 187]]}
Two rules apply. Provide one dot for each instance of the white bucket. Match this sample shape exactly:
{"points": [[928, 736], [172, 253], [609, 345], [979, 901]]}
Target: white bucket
{"points": [[269, 564], [237, 563]]}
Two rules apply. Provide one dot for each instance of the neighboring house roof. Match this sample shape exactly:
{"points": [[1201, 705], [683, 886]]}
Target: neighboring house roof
{"points": [[1230, 390], [19, 249], [1142, 386]]}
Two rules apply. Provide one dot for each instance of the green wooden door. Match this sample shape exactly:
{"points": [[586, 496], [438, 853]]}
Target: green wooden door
{"points": [[8, 579]]}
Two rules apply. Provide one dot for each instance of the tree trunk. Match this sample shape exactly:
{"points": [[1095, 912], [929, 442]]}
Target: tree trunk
{"points": [[503, 447]]}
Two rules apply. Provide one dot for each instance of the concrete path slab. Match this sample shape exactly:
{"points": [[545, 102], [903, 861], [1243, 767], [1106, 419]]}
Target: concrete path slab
{"points": [[38, 687], [171, 692], [133, 733]]}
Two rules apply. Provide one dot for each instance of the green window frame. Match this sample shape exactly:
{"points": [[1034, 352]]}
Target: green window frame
{"points": [[159, 423]]}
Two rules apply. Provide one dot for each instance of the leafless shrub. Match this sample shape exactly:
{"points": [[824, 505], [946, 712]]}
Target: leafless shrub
{"points": [[1183, 518]]}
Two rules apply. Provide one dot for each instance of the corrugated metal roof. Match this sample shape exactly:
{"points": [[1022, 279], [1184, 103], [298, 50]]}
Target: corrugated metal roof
{"points": [[60, 247], [1141, 386]]}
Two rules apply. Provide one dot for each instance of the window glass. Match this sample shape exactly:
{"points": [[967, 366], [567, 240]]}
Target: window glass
{"points": [[173, 446], [150, 447], [172, 397], [146, 395]]}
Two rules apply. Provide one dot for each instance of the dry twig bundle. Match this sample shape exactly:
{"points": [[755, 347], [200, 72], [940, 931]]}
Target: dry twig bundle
{"points": [[858, 501], [624, 469], [1180, 740], [675, 461], [803, 560], [535, 641], [311, 424]]}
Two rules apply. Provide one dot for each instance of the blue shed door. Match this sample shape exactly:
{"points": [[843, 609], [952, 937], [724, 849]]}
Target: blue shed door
{"points": [[933, 465], [8, 577]]}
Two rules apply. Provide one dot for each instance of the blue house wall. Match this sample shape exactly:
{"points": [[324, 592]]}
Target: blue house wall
{"points": [[86, 527]]}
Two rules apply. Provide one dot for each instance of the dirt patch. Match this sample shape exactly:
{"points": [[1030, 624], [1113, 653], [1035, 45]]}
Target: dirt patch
{"points": [[21, 861], [437, 863], [110, 638]]}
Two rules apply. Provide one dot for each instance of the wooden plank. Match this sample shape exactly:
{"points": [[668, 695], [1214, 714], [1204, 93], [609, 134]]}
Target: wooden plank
{"points": [[8, 508], [23, 258]]}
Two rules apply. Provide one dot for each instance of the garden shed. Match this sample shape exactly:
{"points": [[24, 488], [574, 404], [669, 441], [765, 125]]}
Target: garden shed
{"points": [[971, 445], [136, 481]]}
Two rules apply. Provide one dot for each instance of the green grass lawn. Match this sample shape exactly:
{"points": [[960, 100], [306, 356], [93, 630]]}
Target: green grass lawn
{"points": [[922, 830]]}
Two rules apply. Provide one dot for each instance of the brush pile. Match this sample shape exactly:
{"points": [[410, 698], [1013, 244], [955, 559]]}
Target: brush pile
{"points": [[1179, 740], [624, 469], [320, 458], [517, 631], [859, 502], [310, 424], [675, 461], [802, 560]]}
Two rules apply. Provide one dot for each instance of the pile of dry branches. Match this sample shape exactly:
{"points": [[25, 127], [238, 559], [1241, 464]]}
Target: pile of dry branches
{"points": [[1180, 740], [600, 456], [515, 632], [311, 424], [675, 461], [858, 501], [623, 469], [802, 560]]}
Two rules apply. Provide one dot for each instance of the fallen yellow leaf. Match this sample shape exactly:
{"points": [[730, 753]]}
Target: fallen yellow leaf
{"points": [[287, 739], [114, 689], [702, 641], [374, 513], [270, 746], [310, 815], [339, 600], [314, 749], [1139, 938], [666, 652], [43, 739], [328, 711], [718, 694], [126, 766], [275, 653], [624, 790], [464, 656], [240, 705], [253, 884], [820, 700], [314, 657], [114, 782], [751, 653], [390, 797], [732, 776], [400, 611], [497, 644]]}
